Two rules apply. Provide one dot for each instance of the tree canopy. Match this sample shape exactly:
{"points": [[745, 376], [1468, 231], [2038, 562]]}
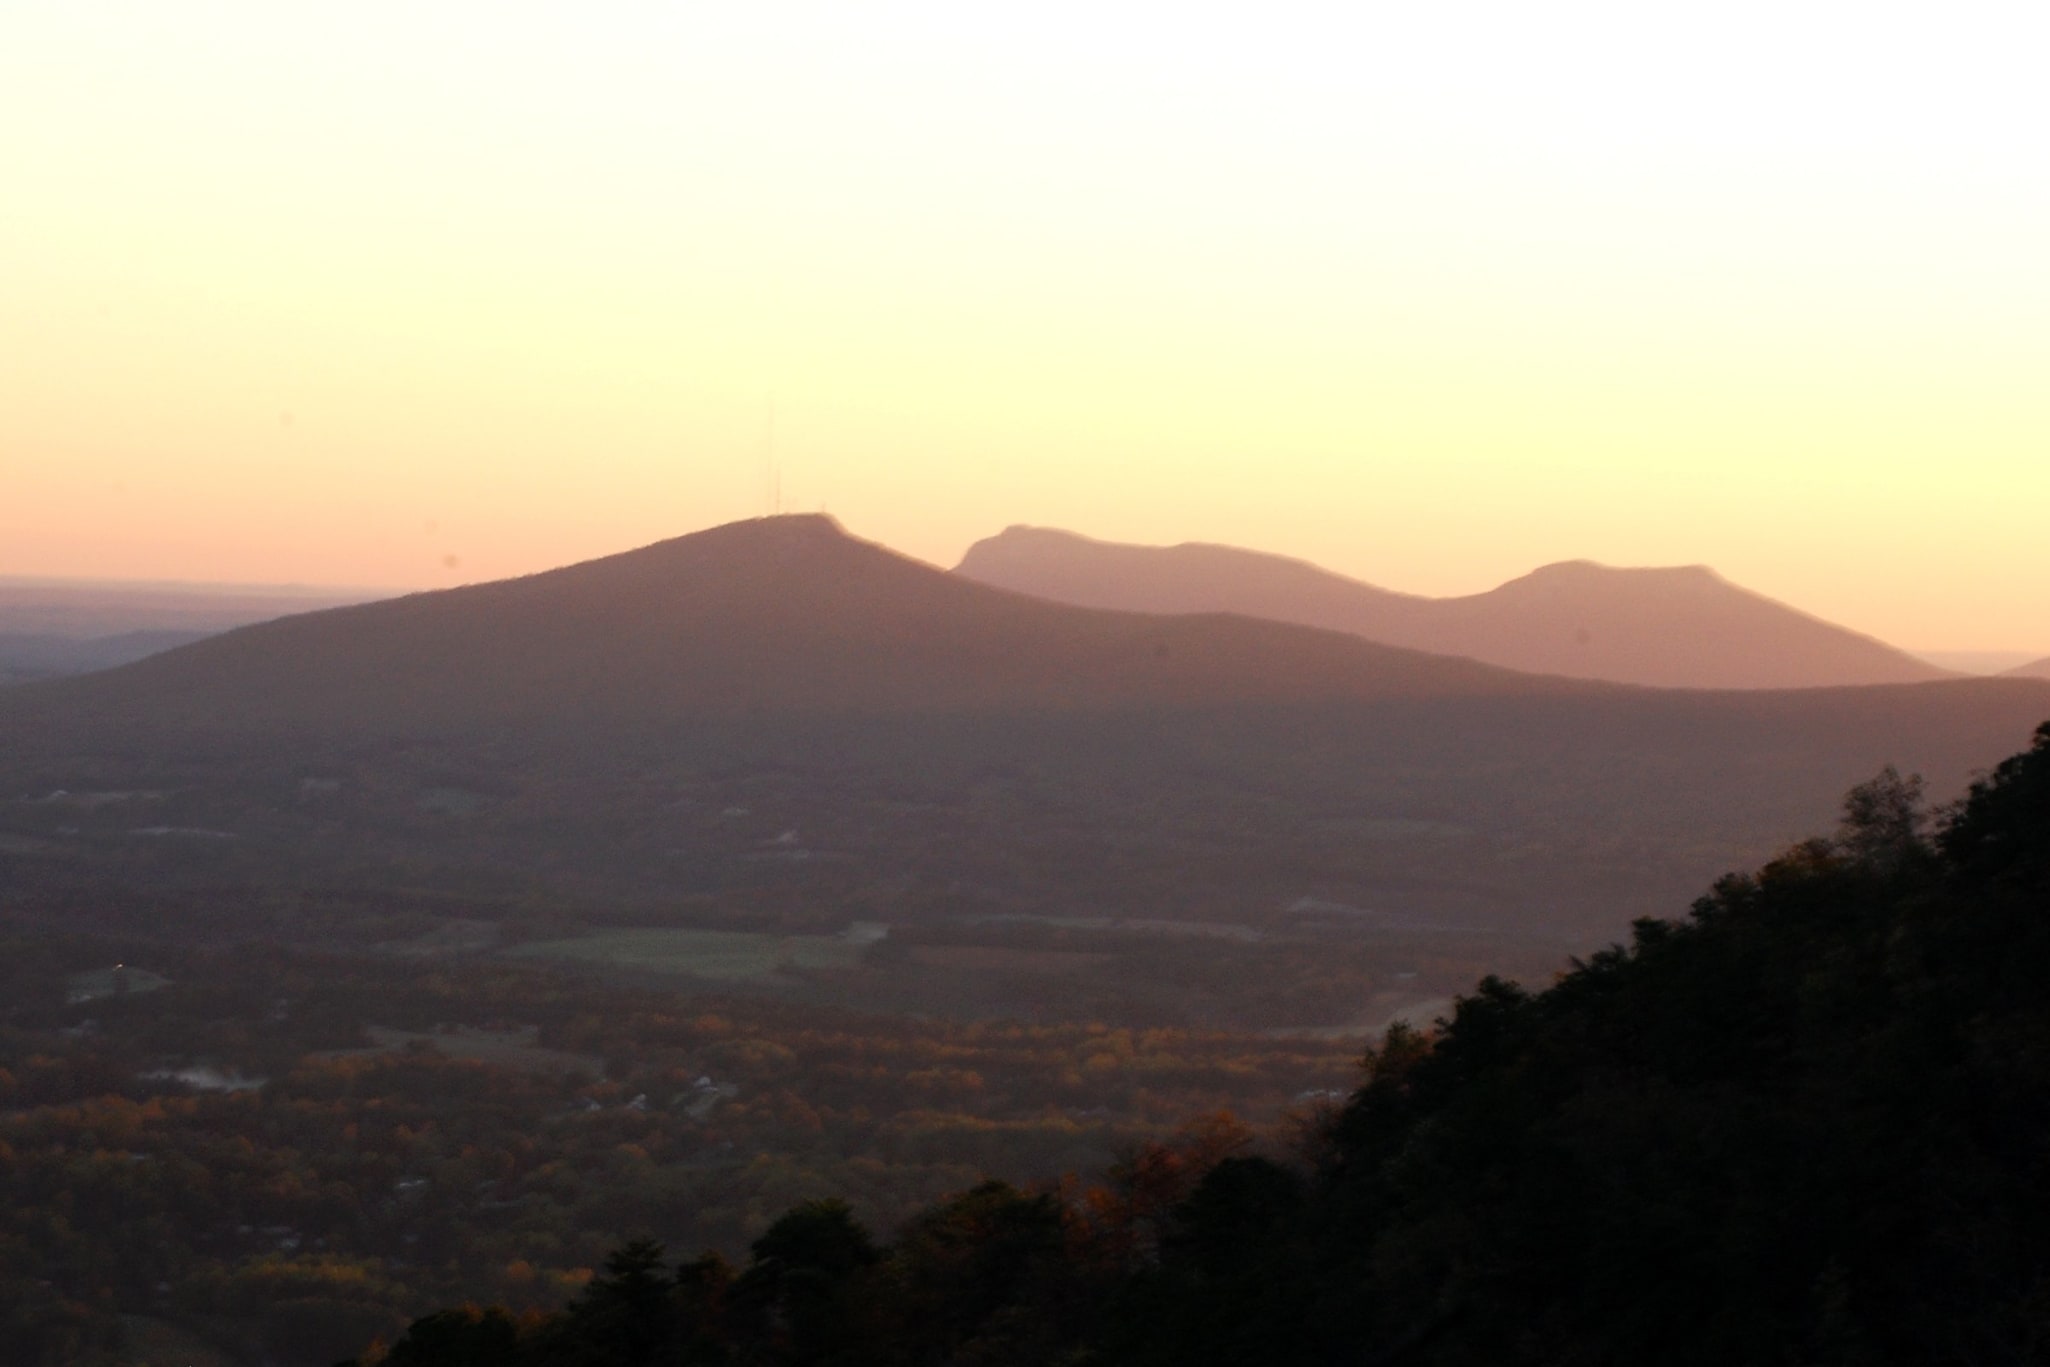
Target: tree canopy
{"points": [[1805, 1124]]}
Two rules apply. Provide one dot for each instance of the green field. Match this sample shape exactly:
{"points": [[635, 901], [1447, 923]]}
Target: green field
{"points": [[118, 981], [698, 953]]}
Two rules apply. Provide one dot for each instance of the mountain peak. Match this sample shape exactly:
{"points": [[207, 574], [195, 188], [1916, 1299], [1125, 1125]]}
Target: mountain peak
{"points": [[796, 524], [1672, 626], [787, 542], [1586, 570], [780, 530], [1020, 535], [1593, 581]]}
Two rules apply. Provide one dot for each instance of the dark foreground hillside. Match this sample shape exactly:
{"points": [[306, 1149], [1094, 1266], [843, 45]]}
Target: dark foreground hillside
{"points": [[1805, 1125]]}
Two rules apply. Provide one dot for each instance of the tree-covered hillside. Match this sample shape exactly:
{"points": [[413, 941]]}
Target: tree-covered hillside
{"points": [[1805, 1125]]}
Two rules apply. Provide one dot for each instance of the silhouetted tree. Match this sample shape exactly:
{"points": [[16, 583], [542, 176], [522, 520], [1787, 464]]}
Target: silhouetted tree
{"points": [[793, 1300], [464, 1337], [625, 1318]]}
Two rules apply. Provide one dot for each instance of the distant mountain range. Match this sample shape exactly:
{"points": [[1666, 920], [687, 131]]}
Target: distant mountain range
{"points": [[50, 628], [2039, 669], [82, 608], [26, 655], [774, 714], [1678, 628]]}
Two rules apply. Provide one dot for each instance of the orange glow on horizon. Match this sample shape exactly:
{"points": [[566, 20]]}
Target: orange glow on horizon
{"points": [[384, 296]]}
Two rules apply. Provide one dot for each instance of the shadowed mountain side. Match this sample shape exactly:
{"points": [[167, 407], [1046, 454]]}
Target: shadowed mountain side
{"points": [[1678, 628], [772, 616], [2039, 669]]}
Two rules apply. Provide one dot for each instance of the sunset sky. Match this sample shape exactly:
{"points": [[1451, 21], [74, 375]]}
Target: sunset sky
{"points": [[415, 294]]}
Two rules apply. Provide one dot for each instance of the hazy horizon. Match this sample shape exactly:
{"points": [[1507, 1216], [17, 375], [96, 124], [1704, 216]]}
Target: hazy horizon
{"points": [[1964, 661]]}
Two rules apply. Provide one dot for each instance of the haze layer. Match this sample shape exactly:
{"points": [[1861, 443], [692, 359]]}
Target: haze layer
{"points": [[377, 296]]}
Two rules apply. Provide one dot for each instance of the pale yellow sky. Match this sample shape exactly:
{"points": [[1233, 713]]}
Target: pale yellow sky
{"points": [[1428, 294]]}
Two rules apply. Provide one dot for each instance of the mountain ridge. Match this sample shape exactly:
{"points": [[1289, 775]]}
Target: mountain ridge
{"points": [[787, 613], [1669, 626]]}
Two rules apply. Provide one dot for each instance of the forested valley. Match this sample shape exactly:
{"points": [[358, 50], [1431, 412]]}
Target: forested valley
{"points": [[1804, 1124], [256, 1155], [762, 947]]}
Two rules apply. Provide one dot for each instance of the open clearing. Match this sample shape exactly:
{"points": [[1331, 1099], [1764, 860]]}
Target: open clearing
{"points": [[727, 954], [992, 959], [516, 1049], [454, 936], [118, 981]]}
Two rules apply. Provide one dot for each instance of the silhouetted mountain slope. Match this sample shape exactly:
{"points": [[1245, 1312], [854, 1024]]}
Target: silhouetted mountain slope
{"points": [[1682, 627], [778, 615], [2039, 669], [655, 724]]}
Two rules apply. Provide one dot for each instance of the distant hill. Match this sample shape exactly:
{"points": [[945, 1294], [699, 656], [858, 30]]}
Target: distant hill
{"points": [[41, 655], [1681, 627], [53, 627], [779, 720], [2039, 669], [82, 609], [1980, 662]]}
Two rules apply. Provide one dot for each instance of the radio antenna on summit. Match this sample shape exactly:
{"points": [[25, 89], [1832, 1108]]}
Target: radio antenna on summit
{"points": [[772, 478]]}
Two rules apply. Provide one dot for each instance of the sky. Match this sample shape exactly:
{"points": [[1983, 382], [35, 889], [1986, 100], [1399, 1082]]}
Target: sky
{"points": [[418, 294]]}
